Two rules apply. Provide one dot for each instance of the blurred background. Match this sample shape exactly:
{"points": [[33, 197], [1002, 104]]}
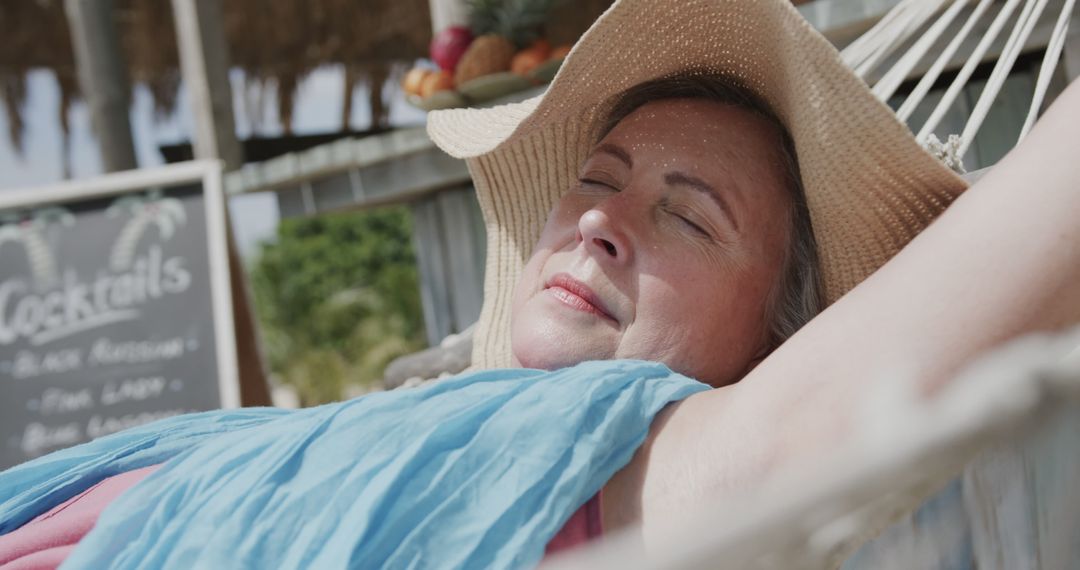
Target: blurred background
{"points": [[373, 252], [355, 242]]}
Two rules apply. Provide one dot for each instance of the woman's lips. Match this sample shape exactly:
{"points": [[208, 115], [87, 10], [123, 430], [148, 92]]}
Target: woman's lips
{"points": [[577, 295]]}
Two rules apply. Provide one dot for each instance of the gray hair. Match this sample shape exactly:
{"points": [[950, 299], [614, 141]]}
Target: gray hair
{"points": [[796, 298]]}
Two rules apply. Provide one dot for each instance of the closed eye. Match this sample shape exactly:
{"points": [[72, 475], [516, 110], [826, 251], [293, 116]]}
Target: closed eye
{"points": [[692, 225], [594, 182], [685, 217]]}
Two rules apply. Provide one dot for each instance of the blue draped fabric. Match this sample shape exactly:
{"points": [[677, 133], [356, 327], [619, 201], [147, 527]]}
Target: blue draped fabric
{"points": [[475, 471]]}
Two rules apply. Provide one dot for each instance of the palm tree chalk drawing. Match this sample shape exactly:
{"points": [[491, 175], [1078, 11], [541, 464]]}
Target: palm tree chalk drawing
{"points": [[152, 209], [29, 231]]}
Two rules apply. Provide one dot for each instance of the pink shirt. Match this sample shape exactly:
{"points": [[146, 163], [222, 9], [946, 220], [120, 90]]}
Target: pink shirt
{"points": [[46, 541]]}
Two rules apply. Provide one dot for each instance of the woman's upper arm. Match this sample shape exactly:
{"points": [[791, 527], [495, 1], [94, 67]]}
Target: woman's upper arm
{"points": [[1003, 260]]}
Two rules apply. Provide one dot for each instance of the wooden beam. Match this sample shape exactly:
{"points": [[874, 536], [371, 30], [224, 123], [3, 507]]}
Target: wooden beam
{"points": [[204, 63], [103, 80]]}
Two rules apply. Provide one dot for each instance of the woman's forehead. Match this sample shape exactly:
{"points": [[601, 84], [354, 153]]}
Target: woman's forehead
{"points": [[678, 118], [698, 134]]}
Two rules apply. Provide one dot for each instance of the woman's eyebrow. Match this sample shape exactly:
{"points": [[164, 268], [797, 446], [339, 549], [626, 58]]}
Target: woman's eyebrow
{"points": [[616, 151], [693, 182]]}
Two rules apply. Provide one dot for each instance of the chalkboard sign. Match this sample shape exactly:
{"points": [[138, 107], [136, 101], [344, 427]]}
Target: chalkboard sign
{"points": [[114, 306]]}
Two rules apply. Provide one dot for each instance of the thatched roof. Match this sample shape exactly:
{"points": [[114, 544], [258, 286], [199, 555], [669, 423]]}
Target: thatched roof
{"points": [[275, 42]]}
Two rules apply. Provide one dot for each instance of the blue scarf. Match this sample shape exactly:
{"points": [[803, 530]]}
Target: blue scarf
{"points": [[476, 471]]}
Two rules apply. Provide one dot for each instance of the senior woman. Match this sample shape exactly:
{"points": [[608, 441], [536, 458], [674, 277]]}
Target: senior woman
{"points": [[697, 183], [685, 239]]}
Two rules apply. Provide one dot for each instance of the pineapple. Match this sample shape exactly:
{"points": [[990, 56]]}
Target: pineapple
{"points": [[519, 21], [490, 53], [500, 27]]}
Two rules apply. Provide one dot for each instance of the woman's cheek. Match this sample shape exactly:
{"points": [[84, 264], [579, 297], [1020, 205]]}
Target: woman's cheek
{"points": [[528, 283]]}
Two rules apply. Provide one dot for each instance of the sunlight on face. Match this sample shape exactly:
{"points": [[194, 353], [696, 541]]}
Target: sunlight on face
{"points": [[667, 249]]}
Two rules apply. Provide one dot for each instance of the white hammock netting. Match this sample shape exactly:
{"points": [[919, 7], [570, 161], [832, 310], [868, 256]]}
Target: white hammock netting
{"points": [[1007, 425], [917, 29]]}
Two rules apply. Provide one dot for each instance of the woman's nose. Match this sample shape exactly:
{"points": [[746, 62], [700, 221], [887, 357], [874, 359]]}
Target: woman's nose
{"points": [[603, 237]]}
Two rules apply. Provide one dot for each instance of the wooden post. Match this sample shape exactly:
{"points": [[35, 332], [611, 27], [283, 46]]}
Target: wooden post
{"points": [[450, 248], [254, 387], [103, 79], [446, 236], [466, 250], [435, 290], [204, 63]]}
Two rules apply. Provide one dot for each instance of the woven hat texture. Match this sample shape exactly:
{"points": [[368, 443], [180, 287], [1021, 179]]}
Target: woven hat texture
{"points": [[869, 186]]}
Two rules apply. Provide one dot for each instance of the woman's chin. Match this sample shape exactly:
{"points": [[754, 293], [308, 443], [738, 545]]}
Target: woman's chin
{"points": [[547, 342], [549, 361]]}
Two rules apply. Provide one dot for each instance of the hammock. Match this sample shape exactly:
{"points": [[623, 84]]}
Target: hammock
{"points": [[1008, 426], [1011, 419], [934, 18]]}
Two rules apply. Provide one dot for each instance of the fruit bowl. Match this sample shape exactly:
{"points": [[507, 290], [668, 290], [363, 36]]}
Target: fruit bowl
{"points": [[486, 62], [546, 71], [438, 100], [493, 86], [486, 88]]}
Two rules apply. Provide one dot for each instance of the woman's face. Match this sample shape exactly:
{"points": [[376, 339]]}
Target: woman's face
{"points": [[667, 249]]}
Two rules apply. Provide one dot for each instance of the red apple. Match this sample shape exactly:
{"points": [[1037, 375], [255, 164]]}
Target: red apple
{"points": [[448, 45]]}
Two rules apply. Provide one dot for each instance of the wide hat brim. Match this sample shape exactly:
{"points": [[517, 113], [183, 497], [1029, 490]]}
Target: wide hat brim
{"points": [[869, 186]]}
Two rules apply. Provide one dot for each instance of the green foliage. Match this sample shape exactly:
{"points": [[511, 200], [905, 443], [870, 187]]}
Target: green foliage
{"points": [[518, 20], [338, 298]]}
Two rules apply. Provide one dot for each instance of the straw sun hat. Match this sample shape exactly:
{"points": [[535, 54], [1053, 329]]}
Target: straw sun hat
{"points": [[869, 186]]}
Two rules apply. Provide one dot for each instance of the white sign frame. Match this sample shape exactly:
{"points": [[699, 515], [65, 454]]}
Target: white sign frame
{"points": [[209, 172]]}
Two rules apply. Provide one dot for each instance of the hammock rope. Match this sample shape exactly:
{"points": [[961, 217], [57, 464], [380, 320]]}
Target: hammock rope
{"points": [[886, 87], [1049, 64], [965, 72], [1016, 42], [932, 74], [856, 51], [920, 25], [910, 16]]}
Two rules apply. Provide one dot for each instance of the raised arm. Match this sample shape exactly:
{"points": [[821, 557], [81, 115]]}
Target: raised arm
{"points": [[1003, 260]]}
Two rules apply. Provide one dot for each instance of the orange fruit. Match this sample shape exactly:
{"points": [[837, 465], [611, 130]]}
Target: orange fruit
{"points": [[526, 60], [542, 47], [560, 51], [414, 80], [436, 81]]}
